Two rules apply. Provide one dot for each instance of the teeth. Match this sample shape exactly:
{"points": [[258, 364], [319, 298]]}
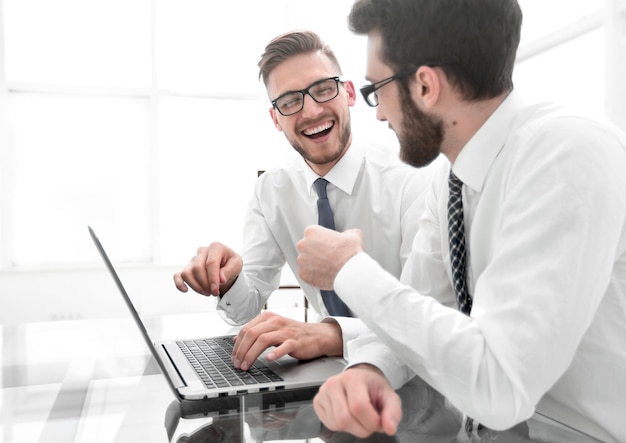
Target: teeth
{"points": [[317, 129]]}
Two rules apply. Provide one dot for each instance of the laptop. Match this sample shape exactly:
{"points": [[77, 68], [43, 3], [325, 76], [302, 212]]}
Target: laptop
{"points": [[188, 369]]}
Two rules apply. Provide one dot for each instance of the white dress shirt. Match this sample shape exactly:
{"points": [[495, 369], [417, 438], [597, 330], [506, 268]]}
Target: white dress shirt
{"points": [[369, 189], [545, 217]]}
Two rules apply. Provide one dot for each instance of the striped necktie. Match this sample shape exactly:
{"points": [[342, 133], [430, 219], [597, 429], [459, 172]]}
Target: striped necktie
{"points": [[456, 239], [333, 303]]}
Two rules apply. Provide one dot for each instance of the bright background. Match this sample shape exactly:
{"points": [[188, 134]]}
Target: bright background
{"points": [[146, 120]]}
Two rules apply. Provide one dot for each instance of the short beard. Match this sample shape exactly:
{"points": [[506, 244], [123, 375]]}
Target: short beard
{"points": [[344, 139], [421, 135]]}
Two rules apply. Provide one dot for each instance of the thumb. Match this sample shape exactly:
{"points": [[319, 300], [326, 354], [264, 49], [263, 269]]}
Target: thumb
{"points": [[230, 269], [357, 234]]}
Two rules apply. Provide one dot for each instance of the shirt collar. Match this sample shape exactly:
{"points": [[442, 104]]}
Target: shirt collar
{"points": [[478, 154], [344, 174]]}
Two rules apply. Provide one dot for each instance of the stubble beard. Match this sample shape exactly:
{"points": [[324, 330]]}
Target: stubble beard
{"points": [[310, 157]]}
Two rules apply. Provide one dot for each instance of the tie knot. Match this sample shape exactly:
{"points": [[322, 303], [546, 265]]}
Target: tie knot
{"points": [[320, 187], [454, 183]]}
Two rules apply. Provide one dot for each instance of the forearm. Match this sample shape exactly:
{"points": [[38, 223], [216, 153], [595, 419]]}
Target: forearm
{"points": [[329, 337], [349, 329], [432, 340]]}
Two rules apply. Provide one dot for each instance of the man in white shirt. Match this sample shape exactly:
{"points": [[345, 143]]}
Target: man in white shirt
{"points": [[310, 105], [541, 324]]}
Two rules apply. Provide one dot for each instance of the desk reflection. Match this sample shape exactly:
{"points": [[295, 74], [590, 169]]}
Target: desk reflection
{"points": [[290, 416], [427, 417], [106, 388]]}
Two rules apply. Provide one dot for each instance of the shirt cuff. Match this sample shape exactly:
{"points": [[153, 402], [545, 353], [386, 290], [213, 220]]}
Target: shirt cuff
{"points": [[353, 279], [351, 328], [368, 349], [229, 304]]}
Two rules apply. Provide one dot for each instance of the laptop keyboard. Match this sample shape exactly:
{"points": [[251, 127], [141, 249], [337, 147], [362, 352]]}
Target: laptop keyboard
{"points": [[212, 360]]}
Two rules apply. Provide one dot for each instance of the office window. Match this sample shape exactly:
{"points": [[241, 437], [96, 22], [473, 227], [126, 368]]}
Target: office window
{"points": [[569, 65], [212, 47], [78, 43], [77, 160], [546, 17], [209, 154], [146, 119], [559, 74]]}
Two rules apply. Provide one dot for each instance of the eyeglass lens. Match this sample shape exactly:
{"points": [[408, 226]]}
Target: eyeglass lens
{"points": [[371, 98], [322, 91]]}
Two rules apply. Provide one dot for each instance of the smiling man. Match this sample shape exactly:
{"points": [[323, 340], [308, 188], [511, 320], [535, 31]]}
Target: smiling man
{"points": [[310, 104]]}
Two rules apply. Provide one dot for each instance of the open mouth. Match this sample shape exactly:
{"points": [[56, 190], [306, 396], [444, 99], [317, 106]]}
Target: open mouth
{"points": [[320, 130]]}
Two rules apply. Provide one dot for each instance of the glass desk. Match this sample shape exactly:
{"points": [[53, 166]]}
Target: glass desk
{"points": [[94, 381]]}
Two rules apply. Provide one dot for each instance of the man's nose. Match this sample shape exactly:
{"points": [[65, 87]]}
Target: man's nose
{"points": [[380, 115], [311, 107]]}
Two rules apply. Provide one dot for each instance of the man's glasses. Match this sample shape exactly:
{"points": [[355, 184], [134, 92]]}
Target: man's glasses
{"points": [[369, 91], [321, 91]]}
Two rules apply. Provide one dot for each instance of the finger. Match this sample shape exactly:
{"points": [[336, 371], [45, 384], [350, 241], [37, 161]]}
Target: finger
{"points": [[309, 236], [391, 413], [216, 267], [198, 272], [237, 349], [189, 276], [365, 418], [320, 405], [257, 345], [356, 233], [245, 340], [329, 397], [241, 346], [286, 348], [180, 283], [338, 414], [230, 268], [260, 333]]}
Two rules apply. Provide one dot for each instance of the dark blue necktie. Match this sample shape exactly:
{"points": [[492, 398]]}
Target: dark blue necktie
{"points": [[333, 303], [456, 238]]}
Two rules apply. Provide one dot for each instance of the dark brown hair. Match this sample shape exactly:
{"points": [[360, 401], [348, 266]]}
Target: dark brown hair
{"points": [[481, 35], [287, 45]]}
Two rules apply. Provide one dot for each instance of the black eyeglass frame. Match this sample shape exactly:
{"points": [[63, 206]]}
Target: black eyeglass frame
{"points": [[337, 79], [367, 90]]}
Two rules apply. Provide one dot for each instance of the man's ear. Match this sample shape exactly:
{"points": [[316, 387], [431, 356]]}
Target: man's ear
{"points": [[275, 119], [427, 86], [351, 92]]}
